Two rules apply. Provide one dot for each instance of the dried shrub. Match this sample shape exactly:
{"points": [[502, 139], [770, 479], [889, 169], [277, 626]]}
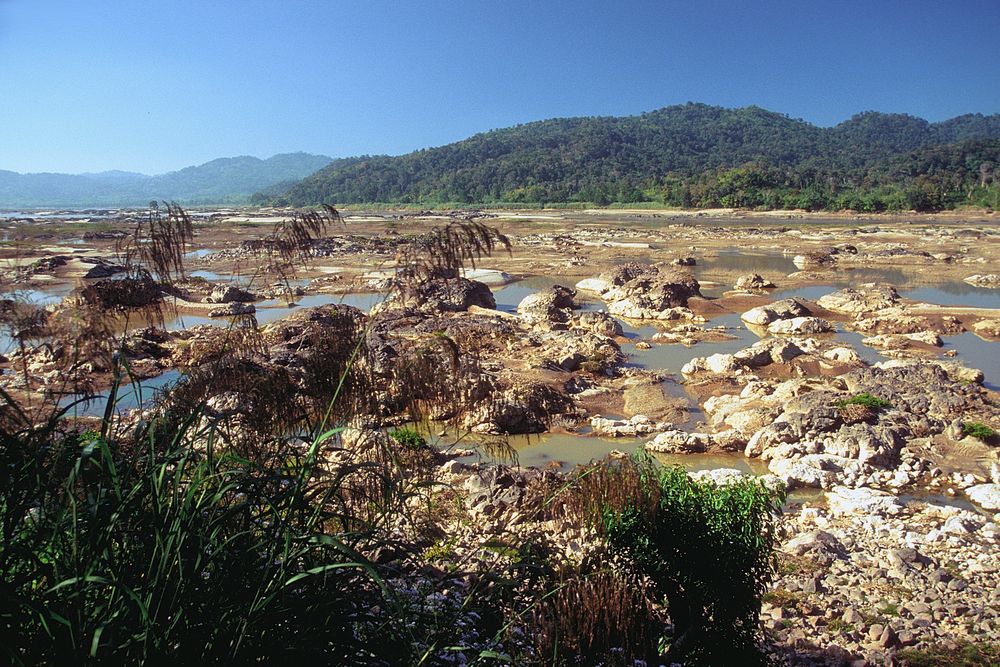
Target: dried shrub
{"points": [[442, 253], [291, 241], [599, 619], [161, 243]]}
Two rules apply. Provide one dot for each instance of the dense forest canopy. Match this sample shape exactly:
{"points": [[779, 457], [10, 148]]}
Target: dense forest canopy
{"points": [[686, 155]]}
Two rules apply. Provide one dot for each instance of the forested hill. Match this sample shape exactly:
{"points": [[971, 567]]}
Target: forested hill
{"points": [[221, 181], [687, 155]]}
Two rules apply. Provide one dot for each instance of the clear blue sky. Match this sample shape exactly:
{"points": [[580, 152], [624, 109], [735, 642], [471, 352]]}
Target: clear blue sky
{"points": [[155, 85]]}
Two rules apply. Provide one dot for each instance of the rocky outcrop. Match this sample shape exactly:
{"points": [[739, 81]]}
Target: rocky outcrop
{"points": [[903, 341], [813, 435], [638, 291], [989, 280], [762, 353], [521, 408], [779, 310], [451, 295], [985, 495], [800, 326], [752, 282], [233, 309], [550, 308], [680, 442], [229, 294], [103, 270], [868, 298], [599, 322], [987, 328], [630, 428]]}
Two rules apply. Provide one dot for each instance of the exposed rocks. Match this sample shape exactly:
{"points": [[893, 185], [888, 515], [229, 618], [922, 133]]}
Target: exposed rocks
{"points": [[813, 260], [752, 281], [638, 291], [896, 342], [990, 280], [779, 310], [987, 328], [551, 308], [103, 270], [233, 309], [680, 442], [986, 495], [229, 294], [450, 295], [868, 502], [690, 334], [799, 326], [600, 323], [521, 408], [762, 353], [630, 428], [872, 573], [868, 298]]}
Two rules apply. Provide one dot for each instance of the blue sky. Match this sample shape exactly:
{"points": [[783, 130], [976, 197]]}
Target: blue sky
{"points": [[89, 85]]}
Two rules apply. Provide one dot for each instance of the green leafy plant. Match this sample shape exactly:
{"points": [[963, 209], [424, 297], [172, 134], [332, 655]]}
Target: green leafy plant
{"points": [[979, 430], [865, 400], [408, 437], [707, 549]]}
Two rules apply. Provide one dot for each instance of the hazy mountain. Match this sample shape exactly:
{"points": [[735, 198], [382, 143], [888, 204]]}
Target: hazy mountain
{"points": [[226, 180]]}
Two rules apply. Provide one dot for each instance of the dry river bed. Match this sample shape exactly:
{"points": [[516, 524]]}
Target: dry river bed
{"points": [[890, 536]]}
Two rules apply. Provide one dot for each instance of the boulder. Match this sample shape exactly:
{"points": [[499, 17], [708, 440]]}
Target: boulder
{"points": [[868, 298], [863, 501], [679, 442], [813, 471], [550, 308], [634, 427], [800, 325], [640, 291], [601, 323], [453, 295], [779, 310], [233, 309], [987, 328], [103, 270], [752, 281], [842, 355], [813, 260], [985, 495], [990, 280], [229, 294], [598, 285]]}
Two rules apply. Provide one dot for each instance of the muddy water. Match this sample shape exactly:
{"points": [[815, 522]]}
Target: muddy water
{"points": [[567, 450], [509, 296]]}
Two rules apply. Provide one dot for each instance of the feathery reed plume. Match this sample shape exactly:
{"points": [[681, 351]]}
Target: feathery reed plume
{"points": [[445, 251]]}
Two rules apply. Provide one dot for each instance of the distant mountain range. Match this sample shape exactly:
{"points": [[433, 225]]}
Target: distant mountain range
{"points": [[686, 155], [691, 155], [223, 181]]}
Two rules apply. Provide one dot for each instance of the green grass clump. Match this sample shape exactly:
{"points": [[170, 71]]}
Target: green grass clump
{"points": [[865, 400], [408, 437], [707, 549], [979, 430]]}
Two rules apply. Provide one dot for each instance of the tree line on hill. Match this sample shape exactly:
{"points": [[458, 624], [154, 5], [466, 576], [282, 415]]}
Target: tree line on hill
{"points": [[691, 155]]}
